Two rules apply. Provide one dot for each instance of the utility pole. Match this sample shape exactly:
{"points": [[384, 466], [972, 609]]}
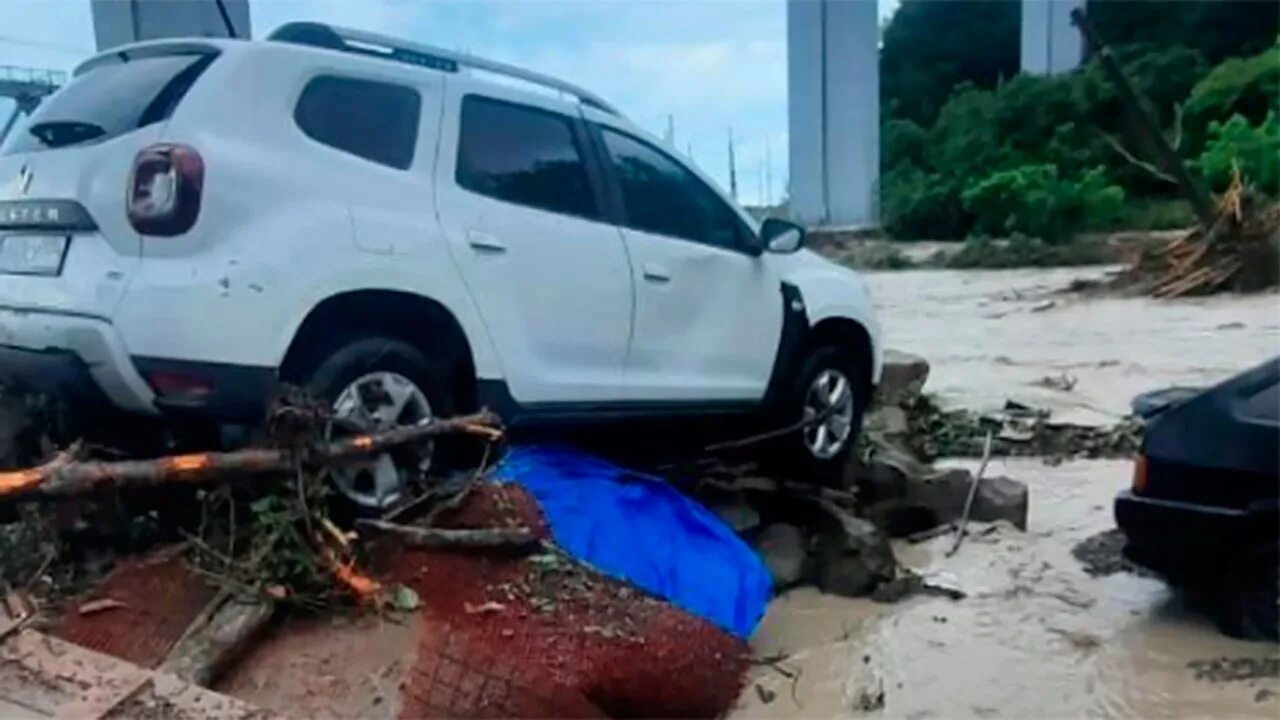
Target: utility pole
{"points": [[768, 173], [671, 130], [733, 170]]}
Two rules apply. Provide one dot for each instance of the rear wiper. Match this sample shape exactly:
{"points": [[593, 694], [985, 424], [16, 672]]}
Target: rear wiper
{"points": [[59, 133]]}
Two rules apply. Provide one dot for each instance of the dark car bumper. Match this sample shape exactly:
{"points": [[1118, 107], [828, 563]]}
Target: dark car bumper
{"points": [[234, 393], [1182, 541]]}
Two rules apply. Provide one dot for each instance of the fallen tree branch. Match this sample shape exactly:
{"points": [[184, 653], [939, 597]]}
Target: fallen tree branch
{"points": [[62, 476], [424, 537], [216, 638]]}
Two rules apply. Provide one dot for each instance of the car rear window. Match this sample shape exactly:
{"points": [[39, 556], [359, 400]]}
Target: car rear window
{"points": [[374, 120], [110, 100]]}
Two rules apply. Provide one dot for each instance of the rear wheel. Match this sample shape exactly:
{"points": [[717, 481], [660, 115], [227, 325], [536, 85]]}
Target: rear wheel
{"points": [[830, 397], [1249, 604], [375, 384]]}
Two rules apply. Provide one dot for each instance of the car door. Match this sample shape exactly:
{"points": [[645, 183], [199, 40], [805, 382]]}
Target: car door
{"points": [[708, 313], [523, 211]]}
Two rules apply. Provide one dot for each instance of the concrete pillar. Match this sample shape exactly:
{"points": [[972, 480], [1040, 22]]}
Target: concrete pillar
{"points": [[1050, 43], [833, 98], [116, 22]]}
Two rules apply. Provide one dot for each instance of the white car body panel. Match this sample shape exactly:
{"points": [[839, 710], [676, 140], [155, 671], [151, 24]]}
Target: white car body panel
{"points": [[554, 290], [560, 309]]}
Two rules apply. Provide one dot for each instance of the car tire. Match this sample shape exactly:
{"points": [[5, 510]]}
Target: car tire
{"points": [[1248, 605], [394, 371], [813, 453]]}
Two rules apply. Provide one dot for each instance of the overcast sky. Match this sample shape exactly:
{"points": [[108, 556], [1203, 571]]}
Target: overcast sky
{"points": [[711, 64]]}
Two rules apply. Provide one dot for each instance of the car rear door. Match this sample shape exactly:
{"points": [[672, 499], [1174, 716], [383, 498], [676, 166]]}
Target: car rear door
{"points": [[708, 314], [522, 207]]}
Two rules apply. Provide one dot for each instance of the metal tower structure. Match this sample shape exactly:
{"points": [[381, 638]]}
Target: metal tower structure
{"points": [[26, 87]]}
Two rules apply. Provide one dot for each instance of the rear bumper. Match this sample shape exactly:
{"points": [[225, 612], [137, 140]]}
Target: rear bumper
{"points": [[72, 356], [82, 360], [1184, 542]]}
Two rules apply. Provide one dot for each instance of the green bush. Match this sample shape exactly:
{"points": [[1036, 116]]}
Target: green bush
{"points": [[1255, 149], [918, 205], [1033, 200], [1240, 86], [902, 142], [1021, 251]]}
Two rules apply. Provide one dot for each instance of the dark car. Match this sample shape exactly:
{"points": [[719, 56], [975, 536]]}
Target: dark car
{"points": [[1204, 509]]}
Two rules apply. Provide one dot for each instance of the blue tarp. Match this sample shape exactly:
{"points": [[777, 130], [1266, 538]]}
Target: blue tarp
{"points": [[642, 530]]}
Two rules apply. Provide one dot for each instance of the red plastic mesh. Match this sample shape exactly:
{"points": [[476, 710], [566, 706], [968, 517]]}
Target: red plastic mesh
{"points": [[545, 636], [160, 599]]}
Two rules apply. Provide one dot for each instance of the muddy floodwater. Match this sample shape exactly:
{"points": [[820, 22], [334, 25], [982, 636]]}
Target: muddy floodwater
{"points": [[991, 335], [1036, 637]]}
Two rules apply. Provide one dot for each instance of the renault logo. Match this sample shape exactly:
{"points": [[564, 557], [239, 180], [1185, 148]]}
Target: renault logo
{"points": [[24, 179]]}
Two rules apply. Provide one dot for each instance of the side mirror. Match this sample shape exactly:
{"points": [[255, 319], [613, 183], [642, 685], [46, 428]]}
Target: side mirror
{"points": [[780, 236]]}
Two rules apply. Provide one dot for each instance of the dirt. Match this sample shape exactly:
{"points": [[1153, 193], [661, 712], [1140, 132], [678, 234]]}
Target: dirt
{"points": [[1221, 670], [1101, 555], [340, 667]]}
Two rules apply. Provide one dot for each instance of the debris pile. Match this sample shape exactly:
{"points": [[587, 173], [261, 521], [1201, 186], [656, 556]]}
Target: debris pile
{"points": [[1020, 431], [508, 624], [1239, 252]]}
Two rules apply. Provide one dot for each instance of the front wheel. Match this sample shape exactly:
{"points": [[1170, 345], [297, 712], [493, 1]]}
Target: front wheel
{"points": [[829, 395]]}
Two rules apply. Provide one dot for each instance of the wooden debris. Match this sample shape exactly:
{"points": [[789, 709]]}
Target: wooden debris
{"points": [[94, 607], [1238, 251], [216, 638], [427, 537], [65, 476]]}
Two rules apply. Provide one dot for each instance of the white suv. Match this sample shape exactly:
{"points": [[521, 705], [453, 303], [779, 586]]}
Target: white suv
{"points": [[408, 231]]}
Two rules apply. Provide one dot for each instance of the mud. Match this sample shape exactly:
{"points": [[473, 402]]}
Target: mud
{"points": [[1035, 631], [1101, 555]]}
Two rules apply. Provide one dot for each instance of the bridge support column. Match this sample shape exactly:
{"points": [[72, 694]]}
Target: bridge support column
{"points": [[1050, 43], [833, 98]]}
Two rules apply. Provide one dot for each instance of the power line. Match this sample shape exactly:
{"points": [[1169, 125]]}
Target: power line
{"points": [[45, 45]]}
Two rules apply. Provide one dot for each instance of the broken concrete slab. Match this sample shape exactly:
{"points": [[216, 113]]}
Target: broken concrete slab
{"points": [[783, 548], [903, 377], [886, 421], [851, 555], [939, 498]]}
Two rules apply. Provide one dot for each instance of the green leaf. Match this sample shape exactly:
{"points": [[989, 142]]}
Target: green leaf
{"points": [[405, 599]]}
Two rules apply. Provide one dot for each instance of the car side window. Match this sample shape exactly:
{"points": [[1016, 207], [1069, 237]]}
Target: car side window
{"points": [[664, 198], [523, 155], [374, 120]]}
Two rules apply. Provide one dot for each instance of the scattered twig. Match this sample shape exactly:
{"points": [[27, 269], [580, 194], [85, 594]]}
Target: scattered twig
{"points": [[973, 493], [94, 607], [425, 537]]}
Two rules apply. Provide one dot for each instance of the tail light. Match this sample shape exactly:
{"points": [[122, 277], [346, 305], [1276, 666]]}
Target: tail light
{"points": [[164, 189], [1140, 474]]}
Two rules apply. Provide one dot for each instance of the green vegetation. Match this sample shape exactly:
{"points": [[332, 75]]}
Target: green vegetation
{"points": [[971, 149]]}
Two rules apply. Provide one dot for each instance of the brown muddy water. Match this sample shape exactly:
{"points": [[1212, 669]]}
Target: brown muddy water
{"points": [[1036, 637], [992, 335]]}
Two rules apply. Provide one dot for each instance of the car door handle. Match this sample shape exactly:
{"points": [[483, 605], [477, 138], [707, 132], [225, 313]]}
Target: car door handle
{"points": [[484, 242], [656, 273]]}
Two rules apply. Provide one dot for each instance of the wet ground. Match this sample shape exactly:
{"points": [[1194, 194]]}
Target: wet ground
{"points": [[1038, 635]]}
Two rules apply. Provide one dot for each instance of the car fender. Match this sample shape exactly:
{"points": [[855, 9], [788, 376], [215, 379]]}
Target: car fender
{"points": [[440, 287], [835, 292]]}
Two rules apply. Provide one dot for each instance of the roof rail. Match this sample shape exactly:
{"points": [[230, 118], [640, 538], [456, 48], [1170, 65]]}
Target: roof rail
{"points": [[389, 48]]}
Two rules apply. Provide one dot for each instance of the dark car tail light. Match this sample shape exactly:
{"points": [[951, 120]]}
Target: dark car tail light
{"points": [[165, 185], [1140, 474]]}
